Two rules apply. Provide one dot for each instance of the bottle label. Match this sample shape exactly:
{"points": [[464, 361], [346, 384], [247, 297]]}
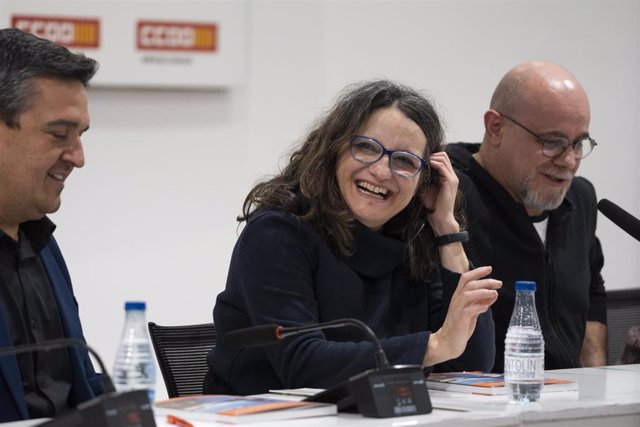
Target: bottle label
{"points": [[523, 368]]}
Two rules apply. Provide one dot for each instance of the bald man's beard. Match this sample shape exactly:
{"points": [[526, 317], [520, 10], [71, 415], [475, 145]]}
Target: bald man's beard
{"points": [[546, 199]]}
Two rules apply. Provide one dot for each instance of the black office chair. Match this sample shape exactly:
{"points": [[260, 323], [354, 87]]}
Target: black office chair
{"points": [[623, 311], [182, 355]]}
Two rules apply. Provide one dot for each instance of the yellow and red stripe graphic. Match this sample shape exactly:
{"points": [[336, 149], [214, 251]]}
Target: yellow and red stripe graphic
{"points": [[70, 32], [177, 36]]}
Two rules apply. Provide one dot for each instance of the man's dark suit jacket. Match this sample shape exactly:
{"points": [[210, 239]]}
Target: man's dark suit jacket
{"points": [[86, 384]]}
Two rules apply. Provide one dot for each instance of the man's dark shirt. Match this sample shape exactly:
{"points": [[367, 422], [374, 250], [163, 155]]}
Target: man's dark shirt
{"points": [[32, 312], [567, 267]]}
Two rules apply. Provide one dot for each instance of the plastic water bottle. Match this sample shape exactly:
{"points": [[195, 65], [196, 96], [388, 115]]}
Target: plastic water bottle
{"points": [[134, 368], [524, 348]]}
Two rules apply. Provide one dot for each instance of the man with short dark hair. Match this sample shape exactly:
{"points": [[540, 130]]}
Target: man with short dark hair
{"points": [[531, 218], [43, 114]]}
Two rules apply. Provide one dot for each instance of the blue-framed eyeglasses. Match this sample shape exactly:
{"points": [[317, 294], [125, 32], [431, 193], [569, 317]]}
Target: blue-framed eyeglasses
{"points": [[368, 150], [553, 146]]}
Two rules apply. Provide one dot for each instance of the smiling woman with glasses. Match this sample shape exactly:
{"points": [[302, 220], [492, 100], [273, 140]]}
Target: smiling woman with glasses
{"points": [[554, 146], [355, 227]]}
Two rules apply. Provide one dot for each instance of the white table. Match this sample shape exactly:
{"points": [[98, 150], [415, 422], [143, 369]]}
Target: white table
{"points": [[607, 396]]}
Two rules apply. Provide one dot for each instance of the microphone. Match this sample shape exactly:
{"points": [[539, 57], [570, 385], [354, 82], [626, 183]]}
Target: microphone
{"points": [[387, 391], [130, 409], [620, 217], [62, 343], [256, 336]]}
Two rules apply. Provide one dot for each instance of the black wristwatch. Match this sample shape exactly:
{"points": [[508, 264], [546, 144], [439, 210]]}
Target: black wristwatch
{"points": [[445, 239]]}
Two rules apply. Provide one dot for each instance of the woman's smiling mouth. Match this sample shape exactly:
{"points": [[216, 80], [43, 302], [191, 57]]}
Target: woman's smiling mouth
{"points": [[372, 190]]}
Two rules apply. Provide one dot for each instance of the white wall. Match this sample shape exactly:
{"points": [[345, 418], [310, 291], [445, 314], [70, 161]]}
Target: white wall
{"points": [[152, 215]]}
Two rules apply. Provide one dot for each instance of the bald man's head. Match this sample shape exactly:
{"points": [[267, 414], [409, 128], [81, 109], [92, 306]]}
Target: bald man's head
{"points": [[531, 85], [533, 104]]}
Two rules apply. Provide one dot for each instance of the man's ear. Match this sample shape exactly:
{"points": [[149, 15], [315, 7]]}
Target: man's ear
{"points": [[493, 126]]}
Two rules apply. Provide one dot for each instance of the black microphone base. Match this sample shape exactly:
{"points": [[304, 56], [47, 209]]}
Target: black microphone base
{"points": [[130, 409], [395, 391]]}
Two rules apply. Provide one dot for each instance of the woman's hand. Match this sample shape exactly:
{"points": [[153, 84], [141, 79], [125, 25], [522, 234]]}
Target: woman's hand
{"points": [[440, 196], [472, 297]]}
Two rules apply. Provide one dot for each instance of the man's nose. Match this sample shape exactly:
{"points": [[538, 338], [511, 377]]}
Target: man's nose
{"points": [[567, 159], [75, 154]]}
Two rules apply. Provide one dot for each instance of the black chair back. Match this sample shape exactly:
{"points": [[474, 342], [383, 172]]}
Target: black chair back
{"points": [[182, 355]]}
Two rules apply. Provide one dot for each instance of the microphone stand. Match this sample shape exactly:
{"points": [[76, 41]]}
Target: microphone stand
{"points": [[63, 343], [130, 409], [386, 391], [381, 357]]}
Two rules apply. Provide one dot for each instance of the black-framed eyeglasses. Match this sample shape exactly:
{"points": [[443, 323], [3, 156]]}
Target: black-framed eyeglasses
{"points": [[553, 146], [368, 150]]}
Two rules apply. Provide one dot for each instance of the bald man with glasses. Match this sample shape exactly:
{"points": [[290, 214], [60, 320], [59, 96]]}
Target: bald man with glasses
{"points": [[531, 218]]}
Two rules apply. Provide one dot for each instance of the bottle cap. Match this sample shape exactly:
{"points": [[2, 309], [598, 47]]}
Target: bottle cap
{"points": [[135, 305], [523, 285]]}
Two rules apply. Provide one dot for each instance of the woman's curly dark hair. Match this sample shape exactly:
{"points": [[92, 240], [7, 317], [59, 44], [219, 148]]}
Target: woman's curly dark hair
{"points": [[308, 187]]}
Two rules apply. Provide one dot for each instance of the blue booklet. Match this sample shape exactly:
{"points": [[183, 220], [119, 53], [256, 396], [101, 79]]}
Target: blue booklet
{"points": [[487, 383], [240, 409]]}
